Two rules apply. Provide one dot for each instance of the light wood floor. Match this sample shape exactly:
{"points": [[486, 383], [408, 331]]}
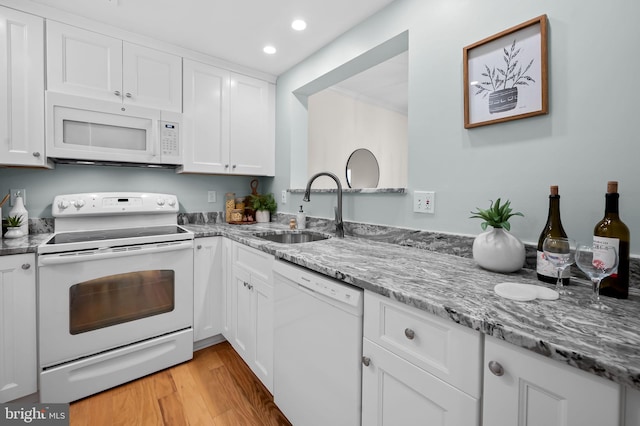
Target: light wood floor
{"points": [[215, 388]]}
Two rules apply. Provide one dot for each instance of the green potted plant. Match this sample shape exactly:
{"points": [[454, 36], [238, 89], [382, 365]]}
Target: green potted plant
{"points": [[263, 205], [497, 249], [13, 227]]}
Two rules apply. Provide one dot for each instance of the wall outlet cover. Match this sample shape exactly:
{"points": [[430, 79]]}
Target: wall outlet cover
{"points": [[424, 202]]}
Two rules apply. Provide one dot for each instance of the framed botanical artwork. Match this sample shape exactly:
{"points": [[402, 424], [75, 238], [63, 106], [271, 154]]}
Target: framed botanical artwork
{"points": [[505, 75]]}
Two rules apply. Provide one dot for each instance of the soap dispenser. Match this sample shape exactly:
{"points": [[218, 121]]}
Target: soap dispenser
{"points": [[301, 219], [19, 210]]}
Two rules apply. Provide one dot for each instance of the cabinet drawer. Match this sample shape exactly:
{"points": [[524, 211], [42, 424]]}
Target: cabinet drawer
{"points": [[447, 350], [254, 261]]}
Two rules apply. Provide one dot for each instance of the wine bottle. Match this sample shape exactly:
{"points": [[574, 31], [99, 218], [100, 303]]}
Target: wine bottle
{"points": [[611, 231], [553, 228]]}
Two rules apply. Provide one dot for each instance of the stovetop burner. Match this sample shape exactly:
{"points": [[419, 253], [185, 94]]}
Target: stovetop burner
{"points": [[113, 234]]}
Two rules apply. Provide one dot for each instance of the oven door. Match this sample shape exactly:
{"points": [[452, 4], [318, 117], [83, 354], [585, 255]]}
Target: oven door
{"points": [[92, 301]]}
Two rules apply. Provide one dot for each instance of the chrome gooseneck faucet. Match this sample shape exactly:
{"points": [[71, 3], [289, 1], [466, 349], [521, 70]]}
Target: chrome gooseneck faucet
{"points": [[338, 210]]}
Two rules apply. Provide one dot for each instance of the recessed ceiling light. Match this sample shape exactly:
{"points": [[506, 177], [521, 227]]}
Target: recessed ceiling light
{"points": [[298, 25], [269, 50]]}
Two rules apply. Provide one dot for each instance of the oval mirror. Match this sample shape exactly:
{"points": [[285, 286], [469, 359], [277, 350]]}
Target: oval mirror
{"points": [[362, 169]]}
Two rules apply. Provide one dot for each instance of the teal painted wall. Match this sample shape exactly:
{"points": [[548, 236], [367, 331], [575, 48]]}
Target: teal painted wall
{"points": [[588, 137], [42, 185]]}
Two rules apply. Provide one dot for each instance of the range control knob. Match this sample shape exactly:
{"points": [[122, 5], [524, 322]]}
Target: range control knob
{"points": [[63, 204], [78, 203], [160, 201], [172, 202]]}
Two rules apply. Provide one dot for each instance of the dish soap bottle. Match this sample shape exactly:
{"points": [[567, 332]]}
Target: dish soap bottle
{"points": [[553, 228], [19, 210], [301, 219], [611, 231]]}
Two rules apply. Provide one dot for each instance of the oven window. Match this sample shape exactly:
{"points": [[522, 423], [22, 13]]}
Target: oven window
{"points": [[120, 298]]}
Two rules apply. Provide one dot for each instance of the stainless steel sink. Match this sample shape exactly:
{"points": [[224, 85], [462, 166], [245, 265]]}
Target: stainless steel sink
{"points": [[292, 237]]}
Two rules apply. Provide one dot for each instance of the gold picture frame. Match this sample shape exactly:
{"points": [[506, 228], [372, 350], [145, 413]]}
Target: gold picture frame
{"points": [[506, 75]]}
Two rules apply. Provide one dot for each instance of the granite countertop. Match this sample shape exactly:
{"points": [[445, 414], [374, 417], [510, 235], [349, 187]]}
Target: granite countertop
{"points": [[26, 244], [455, 288]]}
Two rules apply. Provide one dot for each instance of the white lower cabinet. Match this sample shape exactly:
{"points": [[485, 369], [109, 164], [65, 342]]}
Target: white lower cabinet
{"points": [[208, 288], [396, 392], [251, 310], [524, 388], [632, 407], [18, 365], [418, 369]]}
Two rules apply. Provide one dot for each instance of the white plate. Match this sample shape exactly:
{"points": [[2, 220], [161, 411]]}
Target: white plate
{"points": [[524, 292]]}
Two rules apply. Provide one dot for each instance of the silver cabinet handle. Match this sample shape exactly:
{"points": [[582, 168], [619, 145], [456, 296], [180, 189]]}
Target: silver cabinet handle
{"points": [[36, 154], [496, 368], [366, 361], [26, 266], [409, 333], [234, 166], [117, 93], [226, 166], [128, 95], [199, 246], [250, 287]]}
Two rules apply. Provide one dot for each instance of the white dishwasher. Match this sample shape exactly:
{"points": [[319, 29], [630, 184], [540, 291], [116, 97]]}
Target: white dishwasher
{"points": [[317, 378]]}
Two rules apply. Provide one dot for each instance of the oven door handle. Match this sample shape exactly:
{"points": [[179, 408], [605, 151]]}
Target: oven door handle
{"points": [[110, 253]]}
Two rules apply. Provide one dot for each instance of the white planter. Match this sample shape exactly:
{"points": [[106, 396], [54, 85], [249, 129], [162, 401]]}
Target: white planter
{"points": [[13, 232], [499, 251], [263, 216]]}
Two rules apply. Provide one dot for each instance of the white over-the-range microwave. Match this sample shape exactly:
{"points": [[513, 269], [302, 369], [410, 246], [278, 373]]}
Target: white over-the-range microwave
{"points": [[91, 130]]}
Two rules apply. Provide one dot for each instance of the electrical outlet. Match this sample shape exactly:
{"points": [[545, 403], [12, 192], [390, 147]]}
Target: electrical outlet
{"points": [[424, 202], [283, 197], [211, 196], [14, 194]]}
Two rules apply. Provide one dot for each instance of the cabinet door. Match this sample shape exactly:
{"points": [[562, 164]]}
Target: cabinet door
{"points": [[81, 62], [18, 366], [151, 78], [205, 121], [21, 89], [251, 134], [262, 363], [536, 391], [243, 328], [396, 392], [207, 288], [227, 289]]}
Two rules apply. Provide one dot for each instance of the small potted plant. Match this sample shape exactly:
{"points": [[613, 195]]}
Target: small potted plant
{"points": [[263, 205], [13, 227], [497, 249]]}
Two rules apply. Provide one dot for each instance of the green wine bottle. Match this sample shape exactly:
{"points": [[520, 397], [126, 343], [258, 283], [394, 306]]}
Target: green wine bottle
{"points": [[553, 228], [611, 231]]}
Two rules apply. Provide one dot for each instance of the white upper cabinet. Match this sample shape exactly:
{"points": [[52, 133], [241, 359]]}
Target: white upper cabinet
{"points": [[228, 122], [251, 129], [21, 89], [85, 63]]}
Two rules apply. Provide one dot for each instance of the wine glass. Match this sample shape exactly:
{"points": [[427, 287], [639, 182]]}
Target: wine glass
{"points": [[557, 250], [597, 262]]}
